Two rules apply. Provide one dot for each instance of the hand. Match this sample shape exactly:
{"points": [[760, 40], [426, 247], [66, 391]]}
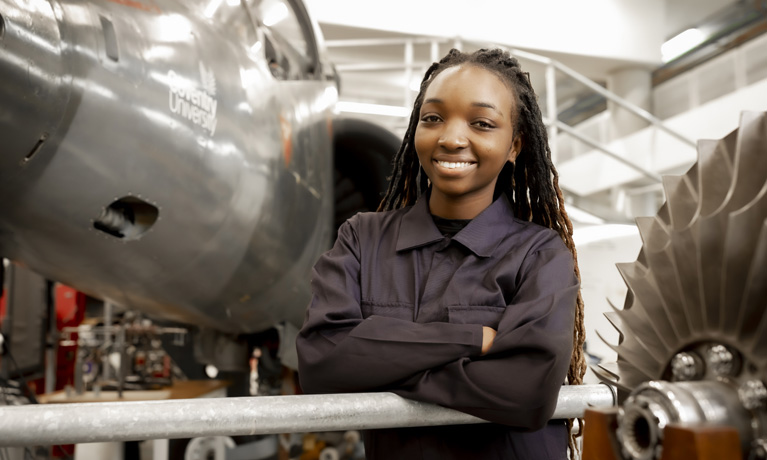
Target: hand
{"points": [[488, 335]]}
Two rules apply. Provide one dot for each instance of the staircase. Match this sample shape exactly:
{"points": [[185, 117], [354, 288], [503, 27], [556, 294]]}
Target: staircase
{"points": [[620, 179]]}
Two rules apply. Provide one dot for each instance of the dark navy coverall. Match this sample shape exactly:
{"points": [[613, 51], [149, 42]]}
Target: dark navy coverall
{"points": [[398, 306]]}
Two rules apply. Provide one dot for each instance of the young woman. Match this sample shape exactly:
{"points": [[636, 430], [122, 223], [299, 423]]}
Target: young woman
{"points": [[463, 290]]}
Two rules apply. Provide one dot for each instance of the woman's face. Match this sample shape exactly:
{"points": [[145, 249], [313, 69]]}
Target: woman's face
{"points": [[464, 137]]}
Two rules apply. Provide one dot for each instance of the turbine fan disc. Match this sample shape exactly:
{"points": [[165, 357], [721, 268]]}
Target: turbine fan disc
{"points": [[695, 308]]}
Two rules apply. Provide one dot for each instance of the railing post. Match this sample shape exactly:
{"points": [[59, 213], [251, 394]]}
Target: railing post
{"points": [[407, 102], [106, 373], [434, 50], [551, 109]]}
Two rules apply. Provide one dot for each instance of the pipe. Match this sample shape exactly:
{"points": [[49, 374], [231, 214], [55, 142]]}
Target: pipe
{"points": [[53, 424]]}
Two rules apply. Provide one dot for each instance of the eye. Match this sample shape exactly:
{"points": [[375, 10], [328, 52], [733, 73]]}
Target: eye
{"points": [[482, 124], [430, 118]]}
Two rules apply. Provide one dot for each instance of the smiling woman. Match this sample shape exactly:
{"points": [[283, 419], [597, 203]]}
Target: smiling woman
{"points": [[463, 290], [464, 138]]}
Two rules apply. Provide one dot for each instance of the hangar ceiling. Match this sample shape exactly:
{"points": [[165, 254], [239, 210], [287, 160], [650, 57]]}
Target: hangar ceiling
{"points": [[384, 67]]}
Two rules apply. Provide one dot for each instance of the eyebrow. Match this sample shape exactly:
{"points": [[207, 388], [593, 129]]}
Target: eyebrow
{"points": [[486, 105]]}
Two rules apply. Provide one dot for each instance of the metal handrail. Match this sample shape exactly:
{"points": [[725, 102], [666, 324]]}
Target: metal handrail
{"points": [[360, 42], [53, 424], [647, 116], [596, 145], [555, 125]]}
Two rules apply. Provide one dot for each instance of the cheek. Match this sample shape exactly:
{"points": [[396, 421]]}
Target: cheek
{"points": [[421, 143], [496, 151]]}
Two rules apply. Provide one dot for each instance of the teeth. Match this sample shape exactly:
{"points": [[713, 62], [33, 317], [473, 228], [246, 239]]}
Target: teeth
{"points": [[454, 165]]}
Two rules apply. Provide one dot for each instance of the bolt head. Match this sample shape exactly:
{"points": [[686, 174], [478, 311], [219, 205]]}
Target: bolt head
{"points": [[720, 360], [753, 395], [686, 366]]}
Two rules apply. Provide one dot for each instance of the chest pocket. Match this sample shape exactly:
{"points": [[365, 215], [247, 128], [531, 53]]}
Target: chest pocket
{"points": [[485, 316], [391, 310]]}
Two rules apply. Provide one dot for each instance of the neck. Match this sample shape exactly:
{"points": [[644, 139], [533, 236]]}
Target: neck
{"points": [[463, 207]]}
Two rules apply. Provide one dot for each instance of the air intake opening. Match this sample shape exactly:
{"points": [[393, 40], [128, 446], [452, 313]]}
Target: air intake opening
{"points": [[127, 218]]}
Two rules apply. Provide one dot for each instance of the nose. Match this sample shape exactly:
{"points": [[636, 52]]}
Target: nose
{"points": [[453, 137]]}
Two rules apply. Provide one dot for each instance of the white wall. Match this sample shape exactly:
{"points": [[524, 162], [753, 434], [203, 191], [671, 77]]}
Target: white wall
{"points": [[600, 280], [628, 30]]}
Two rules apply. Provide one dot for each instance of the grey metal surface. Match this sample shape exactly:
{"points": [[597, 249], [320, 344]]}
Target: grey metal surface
{"points": [[654, 405], [184, 418], [695, 310], [173, 105], [700, 278]]}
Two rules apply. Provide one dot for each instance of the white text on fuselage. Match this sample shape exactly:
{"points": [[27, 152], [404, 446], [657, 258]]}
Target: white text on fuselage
{"points": [[191, 103]]}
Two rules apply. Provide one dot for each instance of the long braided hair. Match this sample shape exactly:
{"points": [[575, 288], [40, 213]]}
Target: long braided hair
{"points": [[531, 182]]}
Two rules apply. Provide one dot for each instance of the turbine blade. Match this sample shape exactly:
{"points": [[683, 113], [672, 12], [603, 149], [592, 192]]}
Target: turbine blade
{"points": [[715, 169], [681, 199], [627, 377], [643, 287], [750, 164], [744, 231], [631, 351], [635, 324], [701, 275], [684, 245], [752, 319]]}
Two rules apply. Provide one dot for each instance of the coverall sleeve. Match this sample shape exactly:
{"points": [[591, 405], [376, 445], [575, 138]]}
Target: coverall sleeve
{"points": [[339, 351], [517, 383]]}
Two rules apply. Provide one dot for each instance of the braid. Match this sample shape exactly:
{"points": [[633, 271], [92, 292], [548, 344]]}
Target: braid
{"points": [[531, 182]]}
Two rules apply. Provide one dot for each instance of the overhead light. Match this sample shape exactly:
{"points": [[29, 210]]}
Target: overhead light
{"points": [[681, 43], [373, 109], [275, 13]]}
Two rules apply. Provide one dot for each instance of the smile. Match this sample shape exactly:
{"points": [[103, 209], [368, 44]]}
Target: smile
{"points": [[454, 165]]}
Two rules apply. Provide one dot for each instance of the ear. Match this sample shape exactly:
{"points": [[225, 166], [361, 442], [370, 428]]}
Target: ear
{"points": [[516, 147]]}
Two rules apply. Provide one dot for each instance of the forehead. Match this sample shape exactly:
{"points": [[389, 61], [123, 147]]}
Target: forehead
{"points": [[472, 84]]}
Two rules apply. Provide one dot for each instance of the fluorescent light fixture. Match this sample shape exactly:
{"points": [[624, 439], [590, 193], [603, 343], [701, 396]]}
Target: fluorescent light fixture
{"points": [[373, 109], [596, 233], [213, 7], [681, 43], [275, 13]]}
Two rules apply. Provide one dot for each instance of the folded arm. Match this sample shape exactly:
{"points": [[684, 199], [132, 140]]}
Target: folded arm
{"points": [[339, 351], [517, 382]]}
